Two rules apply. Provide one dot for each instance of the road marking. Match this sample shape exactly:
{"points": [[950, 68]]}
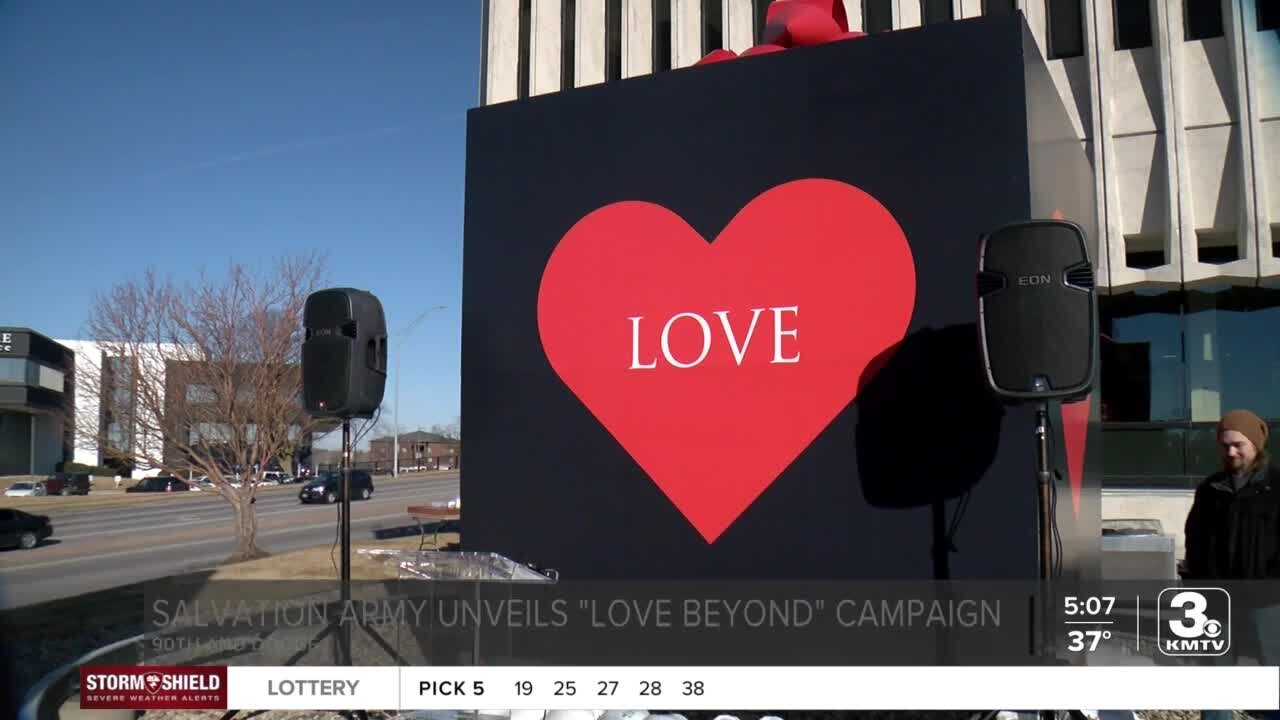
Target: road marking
{"points": [[74, 515], [128, 553]]}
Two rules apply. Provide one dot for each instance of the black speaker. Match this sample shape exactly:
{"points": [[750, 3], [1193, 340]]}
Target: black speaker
{"points": [[1038, 311], [344, 353]]}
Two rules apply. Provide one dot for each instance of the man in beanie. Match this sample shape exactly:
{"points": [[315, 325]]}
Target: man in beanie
{"points": [[1233, 529]]}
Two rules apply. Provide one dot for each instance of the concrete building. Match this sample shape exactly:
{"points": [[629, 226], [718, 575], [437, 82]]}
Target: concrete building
{"points": [[1177, 103]]}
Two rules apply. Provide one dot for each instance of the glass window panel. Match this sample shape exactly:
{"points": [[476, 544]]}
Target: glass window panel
{"points": [[522, 52], [1233, 352], [200, 394], [13, 370], [568, 41], [1142, 374], [1143, 452], [613, 41], [1203, 19], [661, 35], [1133, 23], [936, 11], [760, 11], [712, 34], [51, 379], [877, 16], [1065, 29], [1268, 14]]}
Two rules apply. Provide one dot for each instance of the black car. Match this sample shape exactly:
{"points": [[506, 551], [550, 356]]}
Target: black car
{"points": [[68, 483], [328, 488], [23, 530], [160, 483]]}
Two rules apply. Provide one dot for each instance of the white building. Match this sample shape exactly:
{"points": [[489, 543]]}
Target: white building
{"points": [[114, 427], [1178, 105]]}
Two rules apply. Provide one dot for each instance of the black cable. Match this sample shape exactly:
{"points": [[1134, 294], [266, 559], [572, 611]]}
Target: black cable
{"points": [[1057, 551], [956, 515]]}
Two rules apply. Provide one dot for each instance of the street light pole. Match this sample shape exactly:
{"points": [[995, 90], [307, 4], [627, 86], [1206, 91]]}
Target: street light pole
{"points": [[395, 448]]}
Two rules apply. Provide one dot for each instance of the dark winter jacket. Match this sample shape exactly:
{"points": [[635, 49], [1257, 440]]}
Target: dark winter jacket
{"points": [[1235, 535]]}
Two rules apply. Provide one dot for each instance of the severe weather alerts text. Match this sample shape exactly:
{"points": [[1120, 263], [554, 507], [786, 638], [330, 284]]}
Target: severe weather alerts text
{"points": [[153, 688]]}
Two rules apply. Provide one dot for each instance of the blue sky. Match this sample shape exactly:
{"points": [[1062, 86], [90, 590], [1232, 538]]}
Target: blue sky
{"points": [[187, 134]]}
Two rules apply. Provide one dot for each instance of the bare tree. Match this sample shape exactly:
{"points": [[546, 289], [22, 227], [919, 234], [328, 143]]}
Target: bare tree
{"points": [[203, 378], [450, 431]]}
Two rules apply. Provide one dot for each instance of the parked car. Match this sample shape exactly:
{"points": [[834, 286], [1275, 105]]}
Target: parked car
{"points": [[23, 530], [328, 488], [68, 483], [25, 489], [160, 483]]}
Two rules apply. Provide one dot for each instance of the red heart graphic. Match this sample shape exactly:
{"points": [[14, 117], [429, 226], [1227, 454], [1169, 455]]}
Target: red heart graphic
{"points": [[812, 279]]}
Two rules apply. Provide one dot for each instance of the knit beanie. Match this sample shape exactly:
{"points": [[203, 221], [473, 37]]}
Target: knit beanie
{"points": [[1247, 424]]}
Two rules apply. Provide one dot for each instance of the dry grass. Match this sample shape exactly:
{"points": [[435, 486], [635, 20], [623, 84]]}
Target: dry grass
{"points": [[320, 563]]}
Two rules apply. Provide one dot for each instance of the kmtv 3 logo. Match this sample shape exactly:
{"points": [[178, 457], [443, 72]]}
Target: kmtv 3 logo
{"points": [[1194, 621]]}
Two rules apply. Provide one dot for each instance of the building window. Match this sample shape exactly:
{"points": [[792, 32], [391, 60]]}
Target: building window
{"points": [[522, 62], [200, 395], [1233, 358], [51, 379], [568, 42], [1172, 364], [661, 35], [1065, 29], [936, 11], [1143, 376], [118, 437], [760, 11], [1268, 14], [712, 34], [1203, 19], [1133, 23], [17, 370], [210, 433], [613, 40], [999, 7], [1217, 247], [877, 16]]}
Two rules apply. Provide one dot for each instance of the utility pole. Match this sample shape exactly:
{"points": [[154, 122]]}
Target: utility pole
{"points": [[395, 446]]}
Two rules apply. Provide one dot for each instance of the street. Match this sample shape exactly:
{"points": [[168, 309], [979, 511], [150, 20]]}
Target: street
{"points": [[103, 548]]}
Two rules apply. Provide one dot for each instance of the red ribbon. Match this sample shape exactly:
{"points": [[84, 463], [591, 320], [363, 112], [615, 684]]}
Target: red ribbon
{"points": [[795, 23]]}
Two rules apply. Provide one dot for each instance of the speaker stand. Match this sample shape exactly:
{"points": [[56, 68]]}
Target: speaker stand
{"points": [[1044, 492], [344, 581]]}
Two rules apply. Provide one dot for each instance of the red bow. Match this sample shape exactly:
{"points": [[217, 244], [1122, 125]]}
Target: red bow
{"points": [[795, 23]]}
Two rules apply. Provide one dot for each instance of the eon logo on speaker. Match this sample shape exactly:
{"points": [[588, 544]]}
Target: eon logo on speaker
{"points": [[1035, 280], [1194, 622]]}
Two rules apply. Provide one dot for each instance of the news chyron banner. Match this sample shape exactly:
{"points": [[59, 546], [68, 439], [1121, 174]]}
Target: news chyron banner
{"points": [[701, 645]]}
